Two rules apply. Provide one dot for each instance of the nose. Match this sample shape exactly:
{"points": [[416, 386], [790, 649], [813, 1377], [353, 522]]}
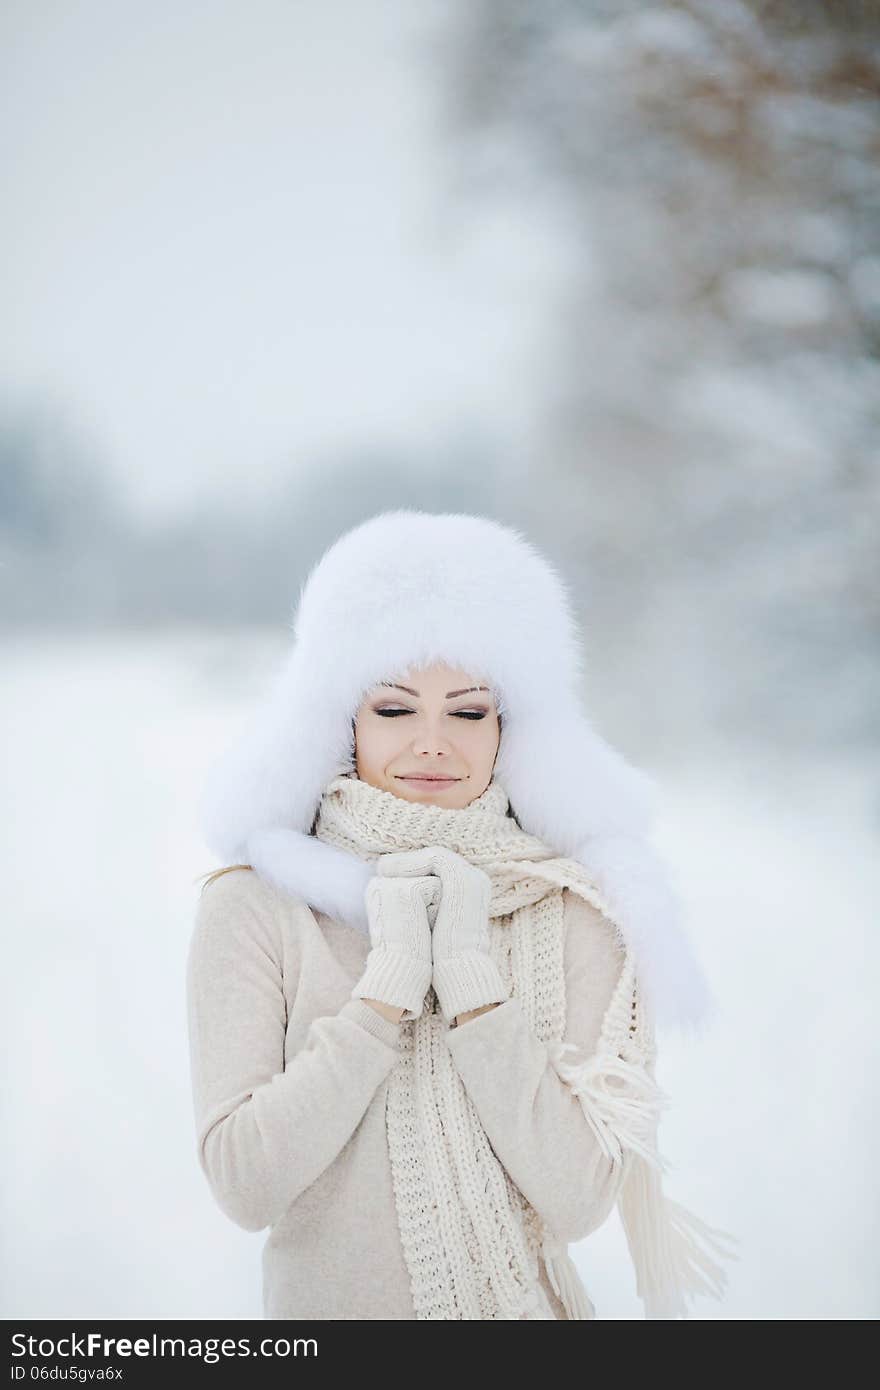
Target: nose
{"points": [[430, 748], [429, 743]]}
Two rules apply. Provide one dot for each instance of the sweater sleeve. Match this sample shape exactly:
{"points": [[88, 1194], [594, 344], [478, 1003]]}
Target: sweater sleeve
{"points": [[534, 1122], [266, 1131]]}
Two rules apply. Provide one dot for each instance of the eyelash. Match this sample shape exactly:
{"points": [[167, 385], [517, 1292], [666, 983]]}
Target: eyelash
{"points": [[394, 712]]}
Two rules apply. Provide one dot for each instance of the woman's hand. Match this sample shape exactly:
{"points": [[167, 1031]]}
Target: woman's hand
{"points": [[399, 966], [465, 977]]}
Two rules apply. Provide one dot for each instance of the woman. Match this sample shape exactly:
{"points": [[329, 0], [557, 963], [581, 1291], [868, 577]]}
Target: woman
{"points": [[422, 1012]]}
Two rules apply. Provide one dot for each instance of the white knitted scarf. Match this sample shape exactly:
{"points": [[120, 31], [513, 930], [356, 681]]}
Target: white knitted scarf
{"points": [[471, 1240]]}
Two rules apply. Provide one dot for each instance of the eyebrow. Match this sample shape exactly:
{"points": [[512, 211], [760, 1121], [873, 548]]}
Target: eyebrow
{"points": [[449, 694]]}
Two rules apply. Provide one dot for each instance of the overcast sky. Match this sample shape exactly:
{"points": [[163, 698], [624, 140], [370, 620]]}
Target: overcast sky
{"points": [[233, 245]]}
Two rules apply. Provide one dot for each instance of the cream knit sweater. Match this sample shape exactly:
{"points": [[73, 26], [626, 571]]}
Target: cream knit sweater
{"points": [[288, 1077]]}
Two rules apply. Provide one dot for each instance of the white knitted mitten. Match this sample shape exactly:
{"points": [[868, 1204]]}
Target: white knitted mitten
{"points": [[464, 976], [398, 967]]}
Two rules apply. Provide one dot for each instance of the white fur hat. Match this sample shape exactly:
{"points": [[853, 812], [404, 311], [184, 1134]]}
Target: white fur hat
{"points": [[404, 590]]}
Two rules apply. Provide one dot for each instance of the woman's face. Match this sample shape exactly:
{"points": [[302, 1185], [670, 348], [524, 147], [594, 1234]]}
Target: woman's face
{"points": [[431, 722]]}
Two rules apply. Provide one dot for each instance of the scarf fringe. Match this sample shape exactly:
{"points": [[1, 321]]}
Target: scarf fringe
{"points": [[566, 1282], [621, 1117], [663, 1236], [664, 1242]]}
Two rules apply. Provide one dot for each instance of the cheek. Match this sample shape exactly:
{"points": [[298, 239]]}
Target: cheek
{"points": [[379, 740], [479, 738]]}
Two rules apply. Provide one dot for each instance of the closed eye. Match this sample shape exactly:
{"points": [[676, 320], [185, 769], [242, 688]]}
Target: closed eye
{"points": [[393, 712]]}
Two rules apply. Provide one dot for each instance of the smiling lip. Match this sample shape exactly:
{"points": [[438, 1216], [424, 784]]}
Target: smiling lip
{"points": [[428, 781]]}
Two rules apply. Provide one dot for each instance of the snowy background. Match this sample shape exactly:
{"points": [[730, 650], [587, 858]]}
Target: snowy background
{"points": [[609, 272]]}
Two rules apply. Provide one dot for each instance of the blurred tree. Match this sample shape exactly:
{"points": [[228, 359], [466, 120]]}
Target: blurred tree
{"points": [[714, 423], [50, 483], [246, 567], [61, 523], [72, 555]]}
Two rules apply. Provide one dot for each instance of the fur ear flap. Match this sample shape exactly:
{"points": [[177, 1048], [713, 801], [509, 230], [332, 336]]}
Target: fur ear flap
{"points": [[565, 782], [570, 787], [274, 770], [327, 878], [641, 899]]}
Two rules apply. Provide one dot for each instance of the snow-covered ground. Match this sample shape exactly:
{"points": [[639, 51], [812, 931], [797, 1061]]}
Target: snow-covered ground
{"points": [[772, 1133]]}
